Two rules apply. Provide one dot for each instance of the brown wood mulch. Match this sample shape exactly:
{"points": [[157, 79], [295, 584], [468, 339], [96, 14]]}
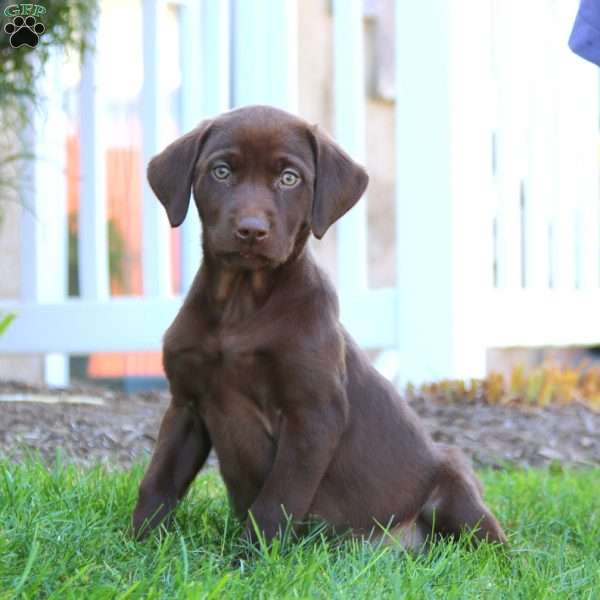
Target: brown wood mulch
{"points": [[98, 425]]}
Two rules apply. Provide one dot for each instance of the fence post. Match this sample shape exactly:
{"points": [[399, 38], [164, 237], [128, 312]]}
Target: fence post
{"points": [[44, 221], [443, 178]]}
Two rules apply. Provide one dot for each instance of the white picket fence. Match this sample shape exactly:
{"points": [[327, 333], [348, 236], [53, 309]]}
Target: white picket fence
{"points": [[497, 199]]}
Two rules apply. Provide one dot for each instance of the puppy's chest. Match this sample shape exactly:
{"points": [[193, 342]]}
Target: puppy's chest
{"points": [[237, 365], [228, 371], [241, 388], [245, 371]]}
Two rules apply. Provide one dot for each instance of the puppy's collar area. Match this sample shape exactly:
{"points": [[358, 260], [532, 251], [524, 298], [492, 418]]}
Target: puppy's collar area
{"points": [[227, 283]]}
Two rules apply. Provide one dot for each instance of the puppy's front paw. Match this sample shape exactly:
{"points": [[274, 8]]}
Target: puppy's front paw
{"points": [[148, 514], [262, 527]]}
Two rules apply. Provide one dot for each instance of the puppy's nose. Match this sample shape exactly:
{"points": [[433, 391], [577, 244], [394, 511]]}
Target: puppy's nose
{"points": [[252, 229]]}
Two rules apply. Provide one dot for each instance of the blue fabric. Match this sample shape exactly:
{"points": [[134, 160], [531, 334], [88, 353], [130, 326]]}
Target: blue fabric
{"points": [[585, 37]]}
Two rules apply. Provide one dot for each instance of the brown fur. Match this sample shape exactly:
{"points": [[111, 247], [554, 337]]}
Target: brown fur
{"points": [[260, 367]]}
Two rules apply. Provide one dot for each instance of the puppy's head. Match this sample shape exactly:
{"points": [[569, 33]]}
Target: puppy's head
{"points": [[261, 178]]}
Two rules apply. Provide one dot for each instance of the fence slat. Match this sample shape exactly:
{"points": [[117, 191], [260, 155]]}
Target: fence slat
{"points": [[511, 138], [44, 222], [350, 114], [589, 199], [282, 54], [92, 226], [264, 54], [156, 255], [249, 67], [191, 22], [216, 57], [541, 109], [567, 169], [580, 195], [32, 241]]}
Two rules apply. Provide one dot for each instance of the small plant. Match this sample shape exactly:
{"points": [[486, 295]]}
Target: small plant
{"points": [[66, 25], [66, 28], [542, 386], [5, 321]]}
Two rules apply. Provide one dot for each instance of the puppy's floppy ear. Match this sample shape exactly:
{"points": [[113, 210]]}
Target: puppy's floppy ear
{"points": [[339, 183], [171, 173]]}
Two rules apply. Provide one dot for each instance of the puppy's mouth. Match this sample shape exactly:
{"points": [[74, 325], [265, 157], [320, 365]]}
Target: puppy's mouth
{"points": [[247, 258]]}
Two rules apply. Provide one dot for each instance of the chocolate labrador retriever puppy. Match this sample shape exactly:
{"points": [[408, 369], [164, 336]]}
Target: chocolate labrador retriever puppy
{"points": [[260, 367]]}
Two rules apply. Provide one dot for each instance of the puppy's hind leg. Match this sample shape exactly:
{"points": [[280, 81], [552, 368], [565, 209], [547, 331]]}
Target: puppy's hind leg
{"points": [[456, 504]]}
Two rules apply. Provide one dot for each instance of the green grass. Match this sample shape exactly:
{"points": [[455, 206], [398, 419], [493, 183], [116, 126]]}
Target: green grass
{"points": [[63, 534]]}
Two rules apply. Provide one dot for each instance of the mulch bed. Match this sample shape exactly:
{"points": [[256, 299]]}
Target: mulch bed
{"points": [[98, 425]]}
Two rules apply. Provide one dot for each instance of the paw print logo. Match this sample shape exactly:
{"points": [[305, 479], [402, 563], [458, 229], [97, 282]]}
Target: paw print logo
{"points": [[24, 32]]}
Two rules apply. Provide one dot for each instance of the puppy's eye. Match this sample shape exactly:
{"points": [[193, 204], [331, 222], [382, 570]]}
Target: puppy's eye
{"points": [[289, 178], [221, 172]]}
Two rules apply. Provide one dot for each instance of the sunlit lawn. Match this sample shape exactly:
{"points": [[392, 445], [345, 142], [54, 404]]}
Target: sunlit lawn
{"points": [[63, 534]]}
